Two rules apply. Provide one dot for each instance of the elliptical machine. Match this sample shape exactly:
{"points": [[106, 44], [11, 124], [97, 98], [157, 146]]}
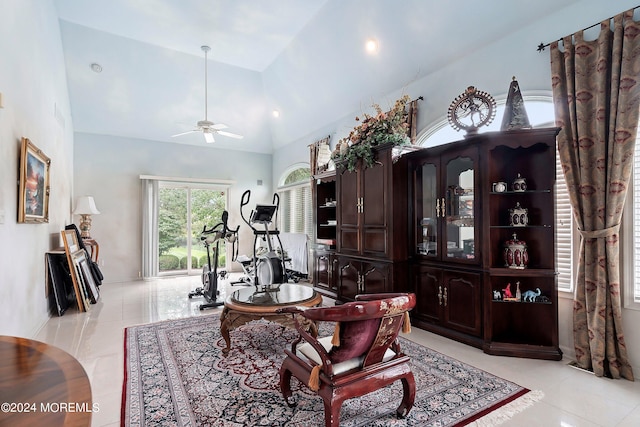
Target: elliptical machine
{"points": [[264, 270], [215, 234]]}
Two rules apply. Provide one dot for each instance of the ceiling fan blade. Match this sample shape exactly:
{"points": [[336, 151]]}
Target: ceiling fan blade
{"points": [[229, 134], [184, 133], [219, 126], [208, 136]]}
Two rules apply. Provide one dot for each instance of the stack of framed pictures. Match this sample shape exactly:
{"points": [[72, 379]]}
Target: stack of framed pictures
{"points": [[62, 294], [85, 288]]}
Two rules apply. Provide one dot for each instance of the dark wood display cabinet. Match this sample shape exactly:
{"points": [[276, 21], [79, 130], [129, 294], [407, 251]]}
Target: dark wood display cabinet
{"points": [[447, 302], [372, 225], [520, 247], [325, 271], [363, 277], [447, 275], [324, 211], [464, 213]]}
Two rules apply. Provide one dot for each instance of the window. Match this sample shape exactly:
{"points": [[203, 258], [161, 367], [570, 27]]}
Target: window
{"points": [[631, 245], [564, 231], [174, 211], [296, 205], [541, 114]]}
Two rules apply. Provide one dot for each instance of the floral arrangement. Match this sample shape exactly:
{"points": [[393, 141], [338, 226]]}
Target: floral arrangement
{"points": [[385, 127]]}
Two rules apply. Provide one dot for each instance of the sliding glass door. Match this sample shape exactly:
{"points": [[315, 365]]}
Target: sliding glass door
{"points": [[183, 211]]}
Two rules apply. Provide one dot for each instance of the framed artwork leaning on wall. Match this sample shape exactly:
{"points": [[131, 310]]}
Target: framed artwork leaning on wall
{"points": [[33, 196]]}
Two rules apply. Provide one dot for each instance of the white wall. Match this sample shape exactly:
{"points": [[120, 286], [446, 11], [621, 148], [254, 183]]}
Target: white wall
{"points": [[33, 85], [491, 69], [108, 168]]}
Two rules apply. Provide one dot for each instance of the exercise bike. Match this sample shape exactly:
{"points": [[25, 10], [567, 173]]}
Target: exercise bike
{"points": [[265, 270], [215, 234]]}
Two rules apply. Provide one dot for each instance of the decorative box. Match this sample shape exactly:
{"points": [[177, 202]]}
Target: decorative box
{"points": [[519, 184], [519, 216], [515, 253]]}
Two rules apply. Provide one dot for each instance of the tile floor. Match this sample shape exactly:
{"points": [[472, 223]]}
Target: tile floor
{"points": [[572, 397]]}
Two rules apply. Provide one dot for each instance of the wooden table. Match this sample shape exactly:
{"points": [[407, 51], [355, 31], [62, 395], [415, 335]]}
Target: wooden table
{"points": [[41, 385], [247, 304]]}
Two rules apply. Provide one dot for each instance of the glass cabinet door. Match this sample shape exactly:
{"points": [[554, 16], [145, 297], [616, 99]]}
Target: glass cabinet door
{"points": [[459, 219], [427, 235]]}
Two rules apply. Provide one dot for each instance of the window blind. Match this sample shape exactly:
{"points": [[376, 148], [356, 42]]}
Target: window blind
{"points": [[636, 222], [297, 210], [564, 231]]}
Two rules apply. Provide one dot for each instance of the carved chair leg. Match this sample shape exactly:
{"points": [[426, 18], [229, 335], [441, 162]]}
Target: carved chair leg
{"points": [[285, 385], [332, 413], [409, 395]]}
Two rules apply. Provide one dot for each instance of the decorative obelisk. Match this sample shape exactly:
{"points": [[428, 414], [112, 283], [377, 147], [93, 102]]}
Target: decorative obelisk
{"points": [[515, 115]]}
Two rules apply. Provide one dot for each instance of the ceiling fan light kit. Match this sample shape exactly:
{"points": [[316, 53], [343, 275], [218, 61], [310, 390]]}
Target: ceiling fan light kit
{"points": [[207, 127]]}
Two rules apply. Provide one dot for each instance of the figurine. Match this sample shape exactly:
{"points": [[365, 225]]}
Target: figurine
{"points": [[507, 295], [507, 291], [497, 296], [531, 296], [518, 294]]}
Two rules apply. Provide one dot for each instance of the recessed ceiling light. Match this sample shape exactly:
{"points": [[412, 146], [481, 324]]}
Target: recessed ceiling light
{"points": [[371, 46], [276, 113], [96, 67]]}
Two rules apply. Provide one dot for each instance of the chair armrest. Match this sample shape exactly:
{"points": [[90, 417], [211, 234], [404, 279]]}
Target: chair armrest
{"points": [[372, 297]]}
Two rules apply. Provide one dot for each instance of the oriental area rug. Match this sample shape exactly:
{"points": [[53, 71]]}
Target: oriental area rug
{"points": [[176, 375]]}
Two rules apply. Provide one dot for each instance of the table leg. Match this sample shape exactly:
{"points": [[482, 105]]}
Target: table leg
{"points": [[224, 330]]}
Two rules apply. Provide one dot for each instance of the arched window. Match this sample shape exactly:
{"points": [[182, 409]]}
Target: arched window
{"points": [[539, 110], [541, 114], [296, 206]]}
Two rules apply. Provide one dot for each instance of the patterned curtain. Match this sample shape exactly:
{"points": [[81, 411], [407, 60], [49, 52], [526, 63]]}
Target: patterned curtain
{"points": [[596, 92]]}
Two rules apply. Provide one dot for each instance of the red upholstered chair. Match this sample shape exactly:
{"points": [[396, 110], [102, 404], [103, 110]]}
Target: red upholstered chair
{"points": [[363, 354]]}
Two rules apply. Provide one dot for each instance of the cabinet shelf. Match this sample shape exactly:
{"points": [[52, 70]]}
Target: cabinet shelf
{"points": [[507, 193], [522, 302], [522, 227], [526, 272]]}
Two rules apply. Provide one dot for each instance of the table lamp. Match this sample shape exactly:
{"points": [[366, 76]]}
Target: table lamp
{"points": [[85, 207]]}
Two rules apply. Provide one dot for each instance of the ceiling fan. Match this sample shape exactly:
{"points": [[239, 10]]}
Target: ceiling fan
{"points": [[208, 128]]}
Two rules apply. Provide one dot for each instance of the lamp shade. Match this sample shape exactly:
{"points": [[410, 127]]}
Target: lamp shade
{"points": [[85, 205]]}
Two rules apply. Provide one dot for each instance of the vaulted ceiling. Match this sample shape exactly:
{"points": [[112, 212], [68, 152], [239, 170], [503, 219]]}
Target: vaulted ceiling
{"points": [[304, 58]]}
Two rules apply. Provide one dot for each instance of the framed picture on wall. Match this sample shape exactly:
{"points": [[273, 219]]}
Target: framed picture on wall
{"points": [[33, 197]]}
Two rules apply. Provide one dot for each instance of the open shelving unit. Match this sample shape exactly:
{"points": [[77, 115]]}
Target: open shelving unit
{"points": [[522, 328]]}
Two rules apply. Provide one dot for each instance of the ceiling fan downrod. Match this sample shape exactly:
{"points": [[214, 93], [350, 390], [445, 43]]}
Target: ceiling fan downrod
{"points": [[205, 49]]}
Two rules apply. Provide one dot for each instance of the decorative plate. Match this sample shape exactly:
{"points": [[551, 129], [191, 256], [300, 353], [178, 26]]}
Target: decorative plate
{"points": [[471, 109]]}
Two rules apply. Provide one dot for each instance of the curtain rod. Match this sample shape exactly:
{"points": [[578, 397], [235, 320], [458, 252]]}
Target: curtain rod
{"points": [[542, 46]]}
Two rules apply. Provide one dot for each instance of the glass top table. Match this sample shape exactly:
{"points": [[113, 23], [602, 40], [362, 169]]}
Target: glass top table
{"points": [[254, 303], [282, 295]]}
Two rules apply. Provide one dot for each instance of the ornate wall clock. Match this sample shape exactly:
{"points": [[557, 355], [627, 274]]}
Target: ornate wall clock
{"points": [[471, 109]]}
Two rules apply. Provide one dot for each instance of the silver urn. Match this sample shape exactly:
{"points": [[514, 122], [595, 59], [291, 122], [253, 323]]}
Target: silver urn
{"points": [[519, 216]]}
